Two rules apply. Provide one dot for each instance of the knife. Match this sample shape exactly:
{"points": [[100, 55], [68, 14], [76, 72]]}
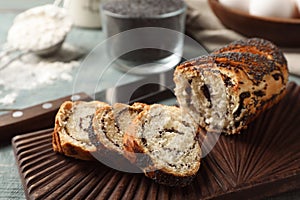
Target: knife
{"points": [[149, 90]]}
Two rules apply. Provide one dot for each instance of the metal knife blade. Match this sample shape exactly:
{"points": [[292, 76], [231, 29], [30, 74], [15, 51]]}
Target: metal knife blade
{"points": [[149, 90]]}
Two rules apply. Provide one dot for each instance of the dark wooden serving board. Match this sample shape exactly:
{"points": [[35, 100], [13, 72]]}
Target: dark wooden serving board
{"points": [[262, 161]]}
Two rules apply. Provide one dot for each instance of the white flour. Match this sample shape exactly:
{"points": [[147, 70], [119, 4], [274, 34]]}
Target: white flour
{"points": [[26, 76], [35, 29], [39, 28], [8, 99], [32, 72]]}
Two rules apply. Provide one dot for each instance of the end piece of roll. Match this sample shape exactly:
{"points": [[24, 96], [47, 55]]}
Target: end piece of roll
{"points": [[227, 89]]}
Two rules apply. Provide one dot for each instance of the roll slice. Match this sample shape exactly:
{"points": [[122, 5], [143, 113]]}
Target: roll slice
{"points": [[109, 124], [163, 143], [73, 126]]}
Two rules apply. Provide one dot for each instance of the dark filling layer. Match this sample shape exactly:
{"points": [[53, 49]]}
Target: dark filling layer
{"points": [[243, 96], [205, 91], [88, 130]]}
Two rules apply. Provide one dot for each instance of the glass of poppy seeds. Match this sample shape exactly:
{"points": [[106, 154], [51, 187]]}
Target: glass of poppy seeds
{"points": [[145, 36]]}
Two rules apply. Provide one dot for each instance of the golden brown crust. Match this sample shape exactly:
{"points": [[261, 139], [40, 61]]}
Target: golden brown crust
{"points": [[71, 150], [255, 46], [64, 143], [57, 127], [254, 72]]}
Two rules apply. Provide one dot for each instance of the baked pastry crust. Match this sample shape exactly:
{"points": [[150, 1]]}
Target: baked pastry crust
{"points": [[252, 74], [72, 128]]}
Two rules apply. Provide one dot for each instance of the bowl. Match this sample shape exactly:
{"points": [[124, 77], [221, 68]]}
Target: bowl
{"points": [[144, 44], [281, 31]]}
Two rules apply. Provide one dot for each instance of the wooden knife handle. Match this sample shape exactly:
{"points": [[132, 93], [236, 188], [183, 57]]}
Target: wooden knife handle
{"points": [[33, 118]]}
